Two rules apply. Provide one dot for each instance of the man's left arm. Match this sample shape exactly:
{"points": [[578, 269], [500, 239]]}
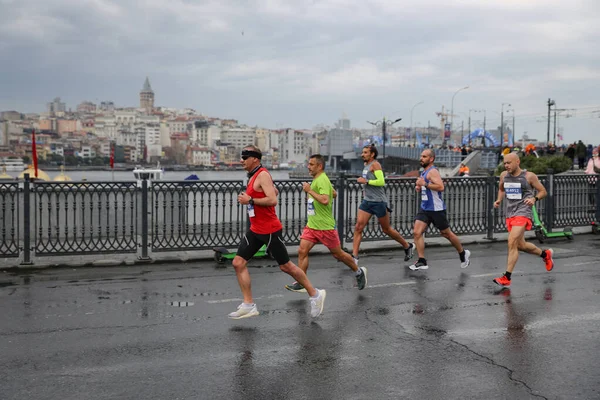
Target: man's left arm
{"points": [[435, 181], [322, 195], [268, 188], [537, 185]]}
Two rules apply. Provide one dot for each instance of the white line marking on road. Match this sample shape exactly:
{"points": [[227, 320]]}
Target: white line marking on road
{"points": [[392, 284], [405, 283], [272, 296], [490, 274], [583, 263], [543, 323]]}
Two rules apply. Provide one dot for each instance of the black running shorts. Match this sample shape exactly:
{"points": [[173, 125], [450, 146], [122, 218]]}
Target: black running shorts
{"points": [[252, 242], [438, 218]]}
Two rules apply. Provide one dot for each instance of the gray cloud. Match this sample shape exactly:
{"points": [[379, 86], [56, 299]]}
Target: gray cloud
{"points": [[300, 63]]}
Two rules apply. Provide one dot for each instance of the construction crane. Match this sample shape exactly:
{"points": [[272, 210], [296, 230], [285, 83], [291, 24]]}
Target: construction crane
{"points": [[443, 121]]}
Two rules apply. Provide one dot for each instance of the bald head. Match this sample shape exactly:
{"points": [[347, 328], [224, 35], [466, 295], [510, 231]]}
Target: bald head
{"points": [[427, 158], [512, 163]]}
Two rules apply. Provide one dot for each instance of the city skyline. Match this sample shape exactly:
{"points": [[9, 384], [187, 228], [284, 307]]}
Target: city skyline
{"points": [[274, 65]]}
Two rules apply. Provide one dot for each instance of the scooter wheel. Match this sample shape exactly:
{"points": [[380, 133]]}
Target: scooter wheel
{"points": [[540, 236], [595, 229], [219, 257]]}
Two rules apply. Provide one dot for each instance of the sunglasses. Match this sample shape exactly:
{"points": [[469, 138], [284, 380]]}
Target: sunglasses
{"points": [[245, 157]]}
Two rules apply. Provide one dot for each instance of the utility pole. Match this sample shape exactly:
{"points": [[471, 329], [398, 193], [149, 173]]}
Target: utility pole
{"points": [[513, 131], [555, 126], [384, 125], [383, 160], [550, 104], [469, 129], [483, 138], [462, 132]]}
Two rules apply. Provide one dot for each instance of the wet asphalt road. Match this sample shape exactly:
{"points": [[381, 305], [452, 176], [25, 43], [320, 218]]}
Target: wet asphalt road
{"points": [[161, 331]]}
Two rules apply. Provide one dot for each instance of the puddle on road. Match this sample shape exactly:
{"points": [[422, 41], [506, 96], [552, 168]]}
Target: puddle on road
{"points": [[5, 284], [181, 303]]}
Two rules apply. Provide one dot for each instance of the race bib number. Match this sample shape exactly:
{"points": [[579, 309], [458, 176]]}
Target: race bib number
{"points": [[251, 210], [513, 190], [424, 193], [365, 172], [311, 207]]}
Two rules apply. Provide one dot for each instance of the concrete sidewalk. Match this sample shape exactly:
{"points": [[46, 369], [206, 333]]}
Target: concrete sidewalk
{"points": [[108, 260]]}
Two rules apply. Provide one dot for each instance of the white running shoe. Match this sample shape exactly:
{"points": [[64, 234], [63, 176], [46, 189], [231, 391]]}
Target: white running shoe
{"points": [[244, 311], [465, 264], [317, 303], [418, 265]]}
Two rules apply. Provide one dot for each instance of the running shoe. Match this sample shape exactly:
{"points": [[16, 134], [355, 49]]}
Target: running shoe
{"points": [[295, 287], [244, 311], [502, 281], [419, 265], [317, 303], [361, 279], [410, 252], [467, 262], [548, 259]]}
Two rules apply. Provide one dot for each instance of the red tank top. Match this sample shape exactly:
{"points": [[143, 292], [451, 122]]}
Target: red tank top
{"points": [[265, 219]]}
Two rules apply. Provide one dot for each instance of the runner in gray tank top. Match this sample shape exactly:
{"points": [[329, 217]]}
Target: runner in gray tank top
{"points": [[375, 202], [518, 186]]}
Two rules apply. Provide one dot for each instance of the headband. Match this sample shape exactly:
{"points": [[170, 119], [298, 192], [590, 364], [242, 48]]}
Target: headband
{"points": [[251, 153]]}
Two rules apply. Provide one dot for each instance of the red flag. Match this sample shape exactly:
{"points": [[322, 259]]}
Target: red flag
{"points": [[34, 153], [112, 156]]}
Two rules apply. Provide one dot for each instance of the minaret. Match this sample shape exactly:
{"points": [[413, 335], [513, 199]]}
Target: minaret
{"points": [[147, 96]]}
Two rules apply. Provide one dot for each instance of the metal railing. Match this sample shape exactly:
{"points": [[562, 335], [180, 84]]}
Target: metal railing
{"points": [[79, 218]]}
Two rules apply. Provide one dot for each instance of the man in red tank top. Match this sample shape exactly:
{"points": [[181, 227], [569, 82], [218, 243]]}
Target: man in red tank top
{"points": [[260, 198]]}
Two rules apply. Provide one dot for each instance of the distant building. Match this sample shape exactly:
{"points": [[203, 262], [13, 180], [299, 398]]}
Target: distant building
{"points": [[86, 107], [56, 106], [147, 96], [107, 106]]}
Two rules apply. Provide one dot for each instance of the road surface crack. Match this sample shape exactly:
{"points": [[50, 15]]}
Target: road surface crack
{"points": [[494, 363]]}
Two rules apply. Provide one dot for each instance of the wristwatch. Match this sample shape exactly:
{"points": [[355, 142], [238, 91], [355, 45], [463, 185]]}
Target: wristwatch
{"points": [[251, 201], [536, 198]]}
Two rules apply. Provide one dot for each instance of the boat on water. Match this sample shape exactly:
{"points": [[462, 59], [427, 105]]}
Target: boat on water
{"points": [[151, 174], [13, 164]]}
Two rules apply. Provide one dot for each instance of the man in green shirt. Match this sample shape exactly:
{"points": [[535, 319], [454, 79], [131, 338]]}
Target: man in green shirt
{"points": [[321, 224]]}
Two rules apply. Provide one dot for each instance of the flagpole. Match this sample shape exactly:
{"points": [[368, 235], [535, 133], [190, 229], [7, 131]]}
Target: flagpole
{"points": [[34, 153]]}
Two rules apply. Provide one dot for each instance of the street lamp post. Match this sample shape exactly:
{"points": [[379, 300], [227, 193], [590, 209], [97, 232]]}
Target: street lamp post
{"points": [[411, 122], [452, 108], [502, 122], [384, 123], [469, 127], [550, 104]]}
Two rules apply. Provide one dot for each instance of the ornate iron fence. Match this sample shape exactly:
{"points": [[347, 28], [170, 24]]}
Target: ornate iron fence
{"points": [[85, 217], [9, 219], [59, 218]]}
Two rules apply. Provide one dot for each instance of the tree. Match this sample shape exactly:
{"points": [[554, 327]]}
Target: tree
{"points": [[541, 165]]}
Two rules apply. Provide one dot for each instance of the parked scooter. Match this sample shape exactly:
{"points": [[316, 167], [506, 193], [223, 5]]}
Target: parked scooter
{"points": [[541, 233]]}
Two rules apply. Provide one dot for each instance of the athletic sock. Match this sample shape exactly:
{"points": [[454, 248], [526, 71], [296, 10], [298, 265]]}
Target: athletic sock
{"points": [[543, 255], [507, 275], [462, 256], [359, 272], [422, 260]]}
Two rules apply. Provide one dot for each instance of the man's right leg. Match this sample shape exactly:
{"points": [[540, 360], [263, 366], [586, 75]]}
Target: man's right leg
{"points": [[248, 247], [418, 231], [362, 218], [515, 237], [303, 250]]}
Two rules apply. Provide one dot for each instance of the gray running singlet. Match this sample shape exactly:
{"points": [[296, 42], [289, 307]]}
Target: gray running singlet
{"points": [[517, 189], [373, 193]]}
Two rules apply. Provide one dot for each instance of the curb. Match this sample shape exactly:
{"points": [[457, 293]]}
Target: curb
{"points": [[366, 248]]}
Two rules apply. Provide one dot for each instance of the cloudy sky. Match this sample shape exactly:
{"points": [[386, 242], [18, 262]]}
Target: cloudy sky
{"points": [[299, 63]]}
